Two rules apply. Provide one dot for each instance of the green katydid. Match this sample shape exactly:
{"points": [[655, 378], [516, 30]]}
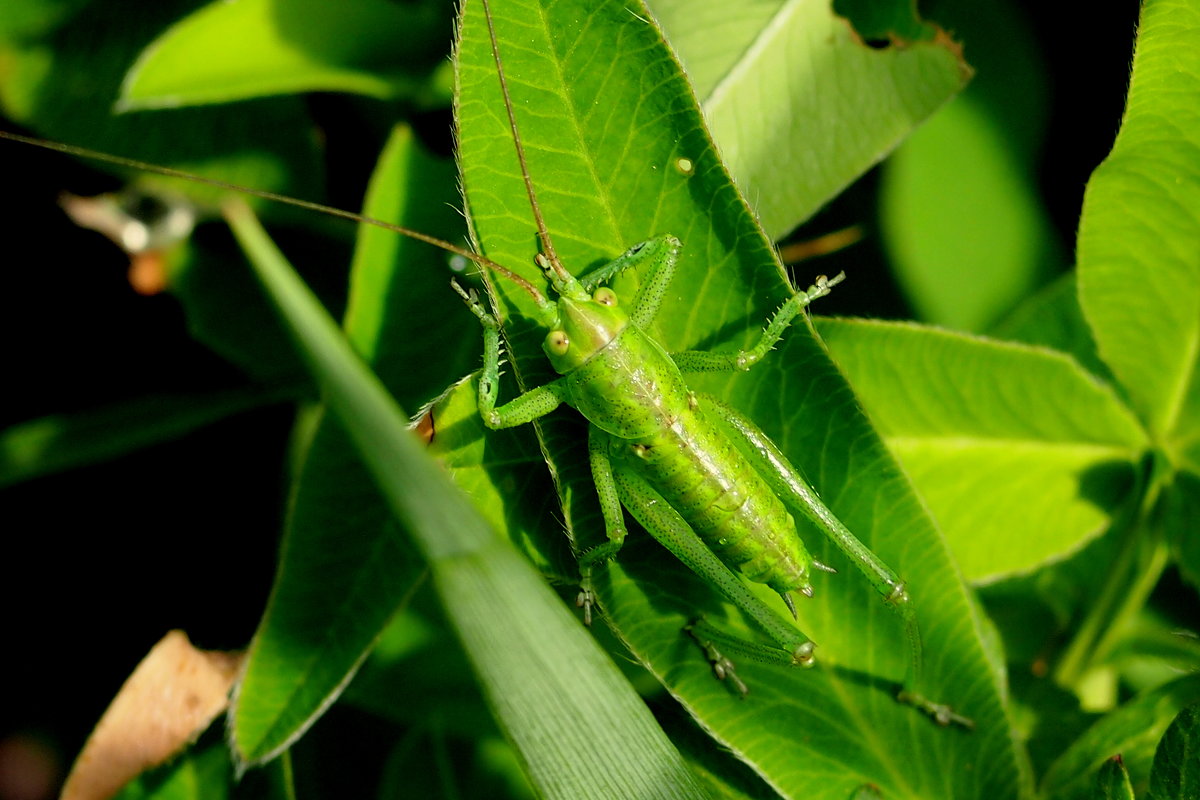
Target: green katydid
{"points": [[688, 428], [674, 458]]}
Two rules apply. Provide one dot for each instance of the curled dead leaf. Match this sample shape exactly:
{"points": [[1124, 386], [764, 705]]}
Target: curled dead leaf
{"points": [[172, 696]]}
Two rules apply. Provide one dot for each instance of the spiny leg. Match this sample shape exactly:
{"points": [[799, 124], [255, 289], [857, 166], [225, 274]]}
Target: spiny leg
{"points": [[722, 667], [662, 254], [666, 525], [703, 361], [524, 408], [790, 485]]}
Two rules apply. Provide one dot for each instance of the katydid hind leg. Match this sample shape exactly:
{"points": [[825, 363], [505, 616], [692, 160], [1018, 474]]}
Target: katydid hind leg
{"points": [[666, 525], [765, 456]]}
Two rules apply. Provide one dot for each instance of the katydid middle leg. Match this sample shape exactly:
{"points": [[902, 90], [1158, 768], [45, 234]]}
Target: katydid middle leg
{"points": [[706, 361], [610, 509]]}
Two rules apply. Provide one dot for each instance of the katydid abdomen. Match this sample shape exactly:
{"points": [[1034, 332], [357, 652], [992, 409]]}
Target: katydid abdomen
{"points": [[634, 392]]}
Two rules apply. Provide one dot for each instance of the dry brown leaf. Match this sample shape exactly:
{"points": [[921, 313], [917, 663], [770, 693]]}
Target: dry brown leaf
{"points": [[172, 696]]}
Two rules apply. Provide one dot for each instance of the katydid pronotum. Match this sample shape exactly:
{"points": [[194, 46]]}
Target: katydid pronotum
{"points": [[672, 457]]}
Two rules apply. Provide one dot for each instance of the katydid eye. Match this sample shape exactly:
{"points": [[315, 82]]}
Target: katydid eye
{"points": [[605, 296], [558, 343]]}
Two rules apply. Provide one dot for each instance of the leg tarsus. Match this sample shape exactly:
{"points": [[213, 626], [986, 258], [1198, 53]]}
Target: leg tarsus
{"points": [[722, 667], [940, 713], [471, 298], [586, 599]]}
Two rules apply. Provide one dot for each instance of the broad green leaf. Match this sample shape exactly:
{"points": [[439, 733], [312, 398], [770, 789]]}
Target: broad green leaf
{"points": [[64, 85], [1021, 455], [253, 48], [494, 467], [205, 772], [418, 676], [1176, 771], [1052, 318], [52, 444], [794, 144], [1138, 253], [1156, 650], [344, 569], [718, 769], [939, 188], [606, 119], [960, 214], [1133, 730], [228, 312], [1112, 782], [503, 612]]}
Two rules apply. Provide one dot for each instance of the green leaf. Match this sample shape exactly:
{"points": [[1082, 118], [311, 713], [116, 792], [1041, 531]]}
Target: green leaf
{"points": [[1133, 730], [1112, 783], [961, 218], [65, 441], [253, 48], [65, 83], [227, 311], [792, 145], [344, 568], [205, 772], [505, 615], [1156, 650], [30, 18], [1021, 455], [202, 773], [954, 172], [1176, 771], [606, 118], [1052, 318], [1139, 263]]}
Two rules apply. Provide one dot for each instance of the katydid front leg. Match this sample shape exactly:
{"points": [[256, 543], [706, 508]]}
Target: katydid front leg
{"points": [[660, 255], [541, 401], [527, 407]]}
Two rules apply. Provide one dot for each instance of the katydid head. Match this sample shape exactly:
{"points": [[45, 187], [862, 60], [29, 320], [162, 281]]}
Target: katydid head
{"points": [[583, 325]]}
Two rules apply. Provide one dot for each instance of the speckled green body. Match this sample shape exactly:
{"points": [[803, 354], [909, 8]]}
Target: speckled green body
{"points": [[634, 392]]}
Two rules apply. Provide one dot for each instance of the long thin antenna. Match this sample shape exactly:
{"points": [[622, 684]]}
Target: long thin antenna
{"points": [[143, 166], [543, 232]]}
